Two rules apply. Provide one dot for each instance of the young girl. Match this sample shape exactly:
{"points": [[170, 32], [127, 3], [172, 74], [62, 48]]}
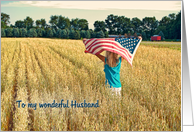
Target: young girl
{"points": [[112, 65]]}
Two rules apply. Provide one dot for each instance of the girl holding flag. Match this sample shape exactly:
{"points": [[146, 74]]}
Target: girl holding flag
{"points": [[112, 66]]}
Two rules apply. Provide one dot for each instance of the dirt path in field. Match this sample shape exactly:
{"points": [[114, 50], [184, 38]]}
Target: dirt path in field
{"points": [[14, 94], [30, 111]]}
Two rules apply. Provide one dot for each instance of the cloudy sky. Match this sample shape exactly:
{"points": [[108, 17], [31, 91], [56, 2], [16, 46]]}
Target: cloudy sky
{"points": [[90, 10]]}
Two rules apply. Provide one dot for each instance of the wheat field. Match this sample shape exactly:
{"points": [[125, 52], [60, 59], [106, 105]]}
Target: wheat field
{"points": [[40, 70]]}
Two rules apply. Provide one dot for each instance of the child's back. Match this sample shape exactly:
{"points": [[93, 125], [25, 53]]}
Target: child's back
{"points": [[112, 74]]}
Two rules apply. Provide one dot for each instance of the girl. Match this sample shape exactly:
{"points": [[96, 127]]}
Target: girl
{"points": [[112, 65]]}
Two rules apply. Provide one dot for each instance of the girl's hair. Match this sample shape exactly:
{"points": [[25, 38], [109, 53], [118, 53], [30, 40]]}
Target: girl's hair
{"points": [[129, 35], [135, 35], [112, 58], [125, 35]]}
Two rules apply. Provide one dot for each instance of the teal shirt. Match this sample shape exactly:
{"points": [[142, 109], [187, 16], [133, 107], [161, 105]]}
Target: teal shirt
{"points": [[112, 74]]}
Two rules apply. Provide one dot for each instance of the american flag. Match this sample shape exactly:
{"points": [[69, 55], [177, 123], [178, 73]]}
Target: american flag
{"points": [[125, 47]]}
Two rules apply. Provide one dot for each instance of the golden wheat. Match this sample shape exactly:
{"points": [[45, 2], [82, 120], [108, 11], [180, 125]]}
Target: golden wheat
{"points": [[38, 70]]}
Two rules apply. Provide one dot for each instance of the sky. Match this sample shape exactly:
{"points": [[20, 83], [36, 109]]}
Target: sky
{"points": [[89, 10]]}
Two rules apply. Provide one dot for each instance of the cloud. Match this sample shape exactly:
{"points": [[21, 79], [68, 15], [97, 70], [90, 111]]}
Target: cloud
{"points": [[100, 5]]}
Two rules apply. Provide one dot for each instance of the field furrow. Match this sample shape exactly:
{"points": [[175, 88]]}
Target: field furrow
{"points": [[80, 73], [6, 61], [31, 83], [37, 71], [49, 75], [9, 94], [20, 123], [79, 66]]}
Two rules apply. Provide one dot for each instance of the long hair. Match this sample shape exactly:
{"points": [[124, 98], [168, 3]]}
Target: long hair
{"points": [[112, 58]]}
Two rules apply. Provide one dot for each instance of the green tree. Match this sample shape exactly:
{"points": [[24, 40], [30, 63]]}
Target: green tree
{"points": [[161, 28], [172, 16], [67, 23], [9, 32], [40, 32], [100, 34], [15, 32], [3, 25], [54, 32], [53, 21], [58, 34], [74, 24], [63, 22], [164, 21], [118, 24], [99, 25], [126, 27], [60, 22], [68, 32], [83, 34], [170, 26], [38, 23], [88, 34], [174, 27], [92, 33], [43, 23], [110, 23], [72, 34], [20, 24], [32, 33], [161, 34], [177, 26], [149, 25], [82, 24], [5, 18], [23, 32], [76, 35], [28, 22], [136, 23], [64, 34], [12, 26], [50, 33], [3, 34], [106, 34], [144, 37]]}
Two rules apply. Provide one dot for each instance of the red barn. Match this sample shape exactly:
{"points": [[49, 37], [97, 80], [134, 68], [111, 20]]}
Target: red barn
{"points": [[156, 38]]}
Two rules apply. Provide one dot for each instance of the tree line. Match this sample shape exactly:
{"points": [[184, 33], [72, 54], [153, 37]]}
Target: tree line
{"points": [[169, 27]]}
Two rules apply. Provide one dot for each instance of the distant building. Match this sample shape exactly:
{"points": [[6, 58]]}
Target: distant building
{"points": [[156, 38]]}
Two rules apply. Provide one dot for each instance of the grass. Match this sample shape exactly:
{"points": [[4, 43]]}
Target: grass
{"points": [[40, 70], [170, 45]]}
